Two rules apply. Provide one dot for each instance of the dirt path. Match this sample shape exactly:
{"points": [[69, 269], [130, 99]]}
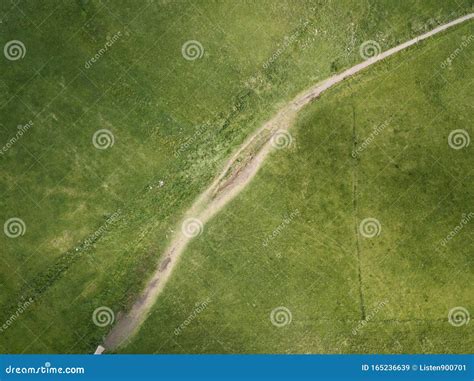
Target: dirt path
{"points": [[237, 173]]}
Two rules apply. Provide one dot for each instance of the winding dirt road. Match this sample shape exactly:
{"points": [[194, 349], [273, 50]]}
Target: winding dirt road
{"points": [[237, 173]]}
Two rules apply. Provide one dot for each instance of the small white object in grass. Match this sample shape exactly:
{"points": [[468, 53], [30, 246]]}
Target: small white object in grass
{"points": [[100, 349]]}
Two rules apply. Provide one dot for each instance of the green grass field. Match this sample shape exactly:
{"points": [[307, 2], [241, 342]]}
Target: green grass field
{"points": [[98, 220], [314, 195]]}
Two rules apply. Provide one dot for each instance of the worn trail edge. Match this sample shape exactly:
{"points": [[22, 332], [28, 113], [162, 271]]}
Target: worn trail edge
{"points": [[237, 173]]}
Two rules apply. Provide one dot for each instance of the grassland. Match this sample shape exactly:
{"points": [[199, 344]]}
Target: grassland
{"points": [[155, 102], [292, 238]]}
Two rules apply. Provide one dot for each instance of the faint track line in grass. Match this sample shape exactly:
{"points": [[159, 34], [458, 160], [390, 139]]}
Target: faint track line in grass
{"points": [[355, 178]]}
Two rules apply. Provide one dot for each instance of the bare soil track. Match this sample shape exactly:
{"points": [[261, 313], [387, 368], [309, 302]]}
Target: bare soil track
{"points": [[236, 174]]}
